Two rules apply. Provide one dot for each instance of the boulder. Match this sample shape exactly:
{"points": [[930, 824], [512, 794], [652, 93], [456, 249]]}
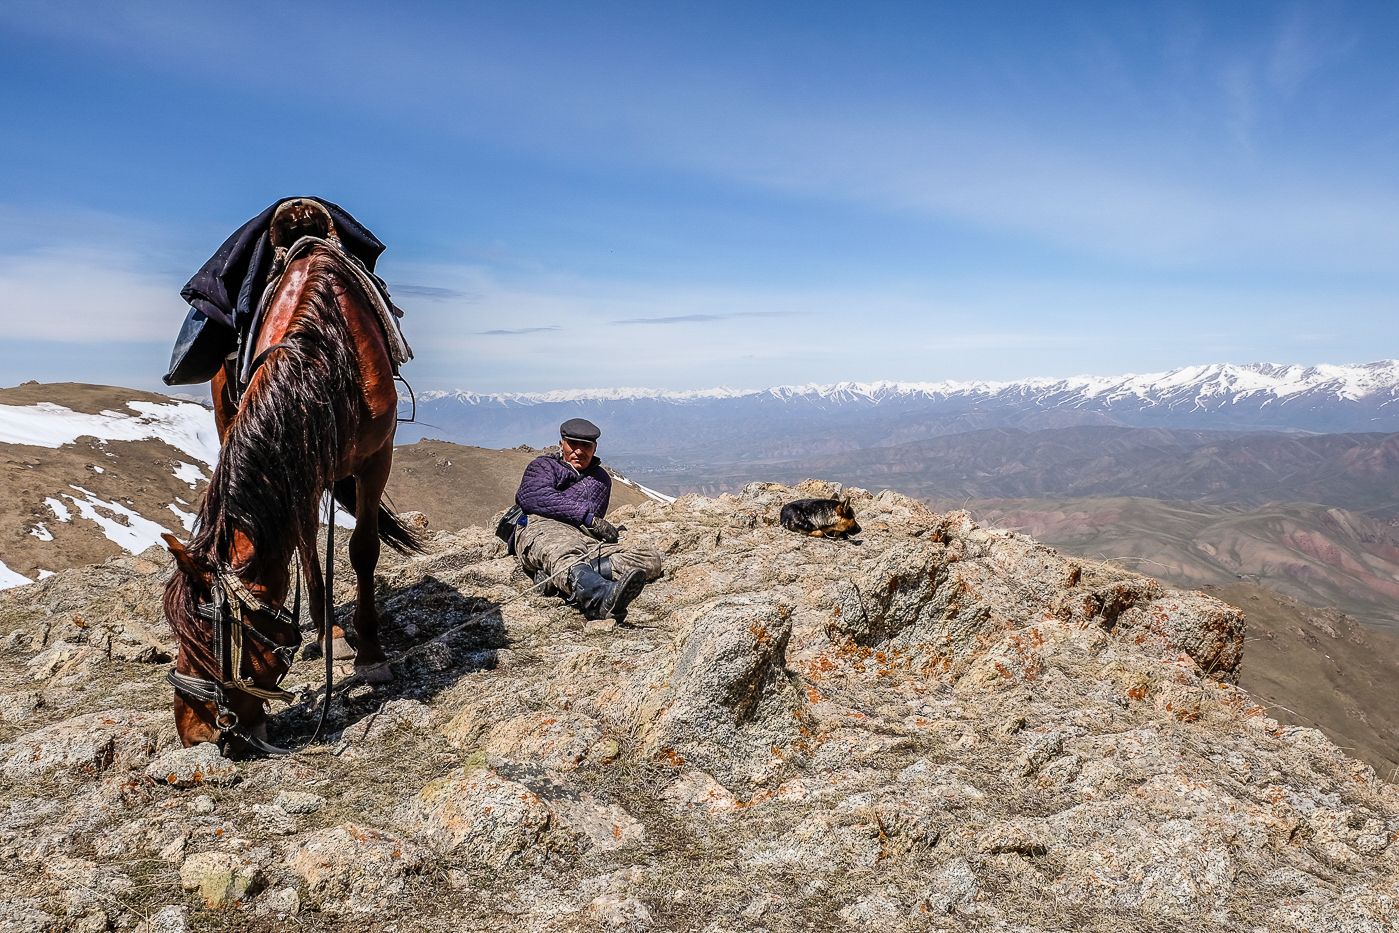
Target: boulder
{"points": [[723, 701], [219, 877], [193, 766], [354, 867], [85, 745]]}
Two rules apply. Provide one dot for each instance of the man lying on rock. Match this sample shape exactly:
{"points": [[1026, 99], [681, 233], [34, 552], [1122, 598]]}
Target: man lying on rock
{"points": [[565, 538]]}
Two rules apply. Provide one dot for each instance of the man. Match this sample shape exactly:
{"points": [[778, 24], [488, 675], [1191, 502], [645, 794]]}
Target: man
{"points": [[567, 540]]}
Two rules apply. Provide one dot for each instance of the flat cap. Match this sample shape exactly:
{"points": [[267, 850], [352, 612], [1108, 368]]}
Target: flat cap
{"points": [[579, 429]]}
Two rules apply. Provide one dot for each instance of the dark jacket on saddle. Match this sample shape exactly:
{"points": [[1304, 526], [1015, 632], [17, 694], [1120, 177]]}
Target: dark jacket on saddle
{"points": [[552, 488], [224, 293]]}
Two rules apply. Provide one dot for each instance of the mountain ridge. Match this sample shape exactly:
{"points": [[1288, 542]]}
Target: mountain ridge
{"points": [[655, 430]]}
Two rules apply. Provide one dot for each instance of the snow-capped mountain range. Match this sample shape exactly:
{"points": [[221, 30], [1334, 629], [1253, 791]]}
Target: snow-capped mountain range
{"points": [[783, 422], [1198, 383]]}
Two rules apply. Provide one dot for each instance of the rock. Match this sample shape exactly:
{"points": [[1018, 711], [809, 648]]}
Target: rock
{"points": [[25, 918], [355, 867], [396, 714], [873, 911], [219, 877], [295, 801], [815, 733], [64, 658], [557, 741], [483, 817], [280, 903], [954, 885], [727, 695], [87, 744], [172, 918], [194, 766], [698, 792], [1207, 630], [1015, 836], [618, 911], [20, 706], [273, 820], [1040, 747]]}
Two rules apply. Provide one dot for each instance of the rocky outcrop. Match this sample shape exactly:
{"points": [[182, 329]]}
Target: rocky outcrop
{"points": [[934, 725]]}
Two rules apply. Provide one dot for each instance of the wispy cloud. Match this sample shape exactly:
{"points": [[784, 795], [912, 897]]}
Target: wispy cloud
{"points": [[429, 292], [523, 330], [694, 318]]}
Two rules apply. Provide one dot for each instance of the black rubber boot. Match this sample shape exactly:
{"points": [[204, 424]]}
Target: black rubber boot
{"points": [[597, 599], [602, 566]]}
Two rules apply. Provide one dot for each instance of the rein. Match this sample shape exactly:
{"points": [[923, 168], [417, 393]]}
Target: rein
{"points": [[231, 599]]}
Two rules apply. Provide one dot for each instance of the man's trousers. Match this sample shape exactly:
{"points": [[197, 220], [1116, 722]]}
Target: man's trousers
{"points": [[554, 547]]}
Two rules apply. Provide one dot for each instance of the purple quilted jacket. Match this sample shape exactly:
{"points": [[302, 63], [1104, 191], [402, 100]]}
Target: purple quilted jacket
{"points": [[554, 489]]}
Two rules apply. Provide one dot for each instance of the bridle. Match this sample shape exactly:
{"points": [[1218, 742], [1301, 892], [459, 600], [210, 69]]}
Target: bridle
{"points": [[230, 601]]}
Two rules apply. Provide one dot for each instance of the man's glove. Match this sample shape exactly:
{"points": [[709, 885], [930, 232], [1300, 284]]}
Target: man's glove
{"points": [[602, 529]]}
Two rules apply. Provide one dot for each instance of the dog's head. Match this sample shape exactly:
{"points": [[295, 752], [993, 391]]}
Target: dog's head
{"points": [[845, 523]]}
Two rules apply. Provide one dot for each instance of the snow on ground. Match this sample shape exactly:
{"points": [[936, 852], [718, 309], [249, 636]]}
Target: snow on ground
{"points": [[185, 426], [135, 535], [59, 509], [186, 518], [645, 491], [40, 532], [9, 578], [189, 473]]}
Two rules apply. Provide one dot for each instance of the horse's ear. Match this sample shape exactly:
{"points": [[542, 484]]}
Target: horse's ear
{"points": [[185, 560]]}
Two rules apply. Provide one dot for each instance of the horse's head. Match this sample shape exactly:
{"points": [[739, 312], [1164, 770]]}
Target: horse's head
{"points": [[235, 643]]}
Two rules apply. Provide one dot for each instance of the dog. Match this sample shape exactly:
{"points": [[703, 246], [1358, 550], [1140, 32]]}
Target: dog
{"points": [[820, 518]]}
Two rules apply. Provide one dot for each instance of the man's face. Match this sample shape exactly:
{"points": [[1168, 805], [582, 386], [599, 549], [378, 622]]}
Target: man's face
{"points": [[577, 453]]}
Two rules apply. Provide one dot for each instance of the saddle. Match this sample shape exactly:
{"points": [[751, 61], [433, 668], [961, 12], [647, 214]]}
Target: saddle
{"points": [[220, 331]]}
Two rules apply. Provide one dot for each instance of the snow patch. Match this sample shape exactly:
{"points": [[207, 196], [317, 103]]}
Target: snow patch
{"points": [[40, 532], [658, 496], [9, 578], [189, 473], [134, 535], [186, 518], [59, 509], [45, 573], [187, 427]]}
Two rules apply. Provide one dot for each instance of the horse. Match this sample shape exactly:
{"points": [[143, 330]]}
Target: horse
{"points": [[318, 414]]}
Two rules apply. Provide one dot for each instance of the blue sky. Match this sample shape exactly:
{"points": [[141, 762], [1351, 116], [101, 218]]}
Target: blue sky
{"points": [[689, 195]]}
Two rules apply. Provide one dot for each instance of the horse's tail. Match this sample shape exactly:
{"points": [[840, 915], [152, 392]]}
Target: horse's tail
{"points": [[392, 532]]}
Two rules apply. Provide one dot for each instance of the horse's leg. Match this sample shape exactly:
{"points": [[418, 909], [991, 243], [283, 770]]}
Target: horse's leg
{"points": [[316, 603], [194, 721], [364, 556]]}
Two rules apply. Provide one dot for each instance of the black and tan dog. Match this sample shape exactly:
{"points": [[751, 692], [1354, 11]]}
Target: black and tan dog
{"points": [[828, 518]]}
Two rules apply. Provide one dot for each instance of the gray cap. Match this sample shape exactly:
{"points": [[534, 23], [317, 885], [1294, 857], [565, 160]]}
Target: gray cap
{"points": [[579, 429]]}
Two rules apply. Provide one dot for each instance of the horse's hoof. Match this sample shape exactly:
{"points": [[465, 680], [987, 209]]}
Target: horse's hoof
{"points": [[343, 651], [375, 673]]}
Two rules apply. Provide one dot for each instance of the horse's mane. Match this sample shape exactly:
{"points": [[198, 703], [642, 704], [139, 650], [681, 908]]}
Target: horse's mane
{"points": [[280, 451]]}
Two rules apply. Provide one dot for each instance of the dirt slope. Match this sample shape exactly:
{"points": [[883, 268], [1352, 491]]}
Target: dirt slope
{"points": [[456, 486], [1319, 667]]}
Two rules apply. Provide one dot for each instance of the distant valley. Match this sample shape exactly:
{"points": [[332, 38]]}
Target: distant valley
{"points": [[1318, 555]]}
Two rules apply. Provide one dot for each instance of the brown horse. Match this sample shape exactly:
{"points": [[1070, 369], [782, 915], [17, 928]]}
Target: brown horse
{"points": [[319, 413]]}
